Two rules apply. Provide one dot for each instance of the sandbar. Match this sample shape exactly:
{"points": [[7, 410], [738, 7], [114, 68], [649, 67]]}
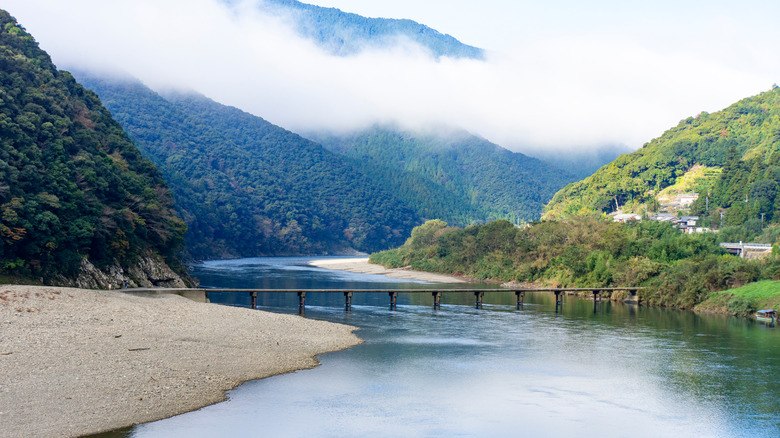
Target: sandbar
{"points": [[77, 362], [360, 265]]}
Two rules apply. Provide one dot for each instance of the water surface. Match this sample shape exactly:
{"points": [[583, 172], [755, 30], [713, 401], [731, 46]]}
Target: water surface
{"points": [[608, 370]]}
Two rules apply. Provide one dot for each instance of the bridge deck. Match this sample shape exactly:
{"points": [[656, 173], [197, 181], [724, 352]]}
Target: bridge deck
{"points": [[406, 291], [393, 293]]}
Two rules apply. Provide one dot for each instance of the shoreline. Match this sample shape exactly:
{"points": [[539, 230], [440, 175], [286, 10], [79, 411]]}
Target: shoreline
{"points": [[78, 362], [360, 265]]}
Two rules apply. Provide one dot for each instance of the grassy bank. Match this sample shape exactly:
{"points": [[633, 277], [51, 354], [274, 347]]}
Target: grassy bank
{"points": [[745, 300]]}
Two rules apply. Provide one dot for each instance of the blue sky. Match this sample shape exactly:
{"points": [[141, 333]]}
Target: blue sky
{"points": [[559, 75], [501, 24]]}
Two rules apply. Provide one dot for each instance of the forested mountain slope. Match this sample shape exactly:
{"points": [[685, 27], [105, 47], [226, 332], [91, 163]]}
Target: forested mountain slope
{"points": [[343, 33], [449, 175], [580, 163], [73, 187], [247, 187], [738, 145]]}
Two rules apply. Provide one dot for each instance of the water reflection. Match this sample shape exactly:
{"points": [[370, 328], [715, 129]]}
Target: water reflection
{"points": [[588, 369]]}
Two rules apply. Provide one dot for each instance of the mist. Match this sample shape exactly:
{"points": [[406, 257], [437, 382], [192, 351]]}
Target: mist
{"points": [[563, 92]]}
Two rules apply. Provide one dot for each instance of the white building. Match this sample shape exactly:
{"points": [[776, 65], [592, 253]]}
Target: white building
{"points": [[626, 217]]}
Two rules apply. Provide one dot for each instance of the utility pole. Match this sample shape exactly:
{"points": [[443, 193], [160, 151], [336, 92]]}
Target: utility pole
{"points": [[721, 220], [762, 221]]}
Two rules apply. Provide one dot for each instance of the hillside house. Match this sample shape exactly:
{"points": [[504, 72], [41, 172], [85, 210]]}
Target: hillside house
{"points": [[626, 217], [686, 224], [664, 217]]}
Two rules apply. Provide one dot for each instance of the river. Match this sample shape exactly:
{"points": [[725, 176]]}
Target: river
{"points": [[608, 370]]}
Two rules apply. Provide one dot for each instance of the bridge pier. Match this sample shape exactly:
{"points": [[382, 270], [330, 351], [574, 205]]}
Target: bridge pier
{"points": [[478, 296], [596, 301], [436, 300], [254, 299], [301, 302], [347, 301], [393, 300], [558, 300], [520, 298]]}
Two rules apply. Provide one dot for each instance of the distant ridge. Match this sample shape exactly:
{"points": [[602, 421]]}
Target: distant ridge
{"points": [[450, 174], [343, 33], [580, 163]]}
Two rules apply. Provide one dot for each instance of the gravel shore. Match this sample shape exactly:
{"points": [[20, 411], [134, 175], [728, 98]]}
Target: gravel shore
{"points": [[78, 362]]}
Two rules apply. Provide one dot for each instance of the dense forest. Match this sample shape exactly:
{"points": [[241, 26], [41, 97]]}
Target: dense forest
{"points": [[72, 184], [246, 187], [343, 33], [451, 175], [678, 270], [738, 147]]}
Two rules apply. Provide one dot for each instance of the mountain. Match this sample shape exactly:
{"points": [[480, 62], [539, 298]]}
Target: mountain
{"points": [[248, 188], [75, 193], [451, 175], [580, 163], [731, 159], [344, 34]]}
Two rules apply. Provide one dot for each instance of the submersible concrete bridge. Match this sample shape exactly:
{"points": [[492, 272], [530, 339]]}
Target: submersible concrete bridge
{"points": [[393, 293]]}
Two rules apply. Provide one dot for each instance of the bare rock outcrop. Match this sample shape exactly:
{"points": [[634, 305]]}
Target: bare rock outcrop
{"points": [[149, 270]]}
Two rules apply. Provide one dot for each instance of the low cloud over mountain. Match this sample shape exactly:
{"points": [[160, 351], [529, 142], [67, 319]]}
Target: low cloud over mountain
{"points": [[571, 90]]}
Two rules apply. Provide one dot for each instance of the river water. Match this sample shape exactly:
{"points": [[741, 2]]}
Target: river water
{"points": [[608, 370]]}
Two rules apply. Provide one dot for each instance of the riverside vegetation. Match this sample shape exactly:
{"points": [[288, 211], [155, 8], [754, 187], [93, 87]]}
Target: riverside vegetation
{"points": [[677, 270]]}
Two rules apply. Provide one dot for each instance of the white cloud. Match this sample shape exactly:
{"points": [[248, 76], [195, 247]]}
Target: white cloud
{"points": [[570, 90]]}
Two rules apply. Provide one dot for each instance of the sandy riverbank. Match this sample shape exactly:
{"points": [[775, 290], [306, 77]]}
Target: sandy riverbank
{"points": [[360, 265], [77, 361]]}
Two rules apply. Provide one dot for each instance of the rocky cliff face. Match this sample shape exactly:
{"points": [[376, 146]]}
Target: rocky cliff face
{"points": [[150, 270]]}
